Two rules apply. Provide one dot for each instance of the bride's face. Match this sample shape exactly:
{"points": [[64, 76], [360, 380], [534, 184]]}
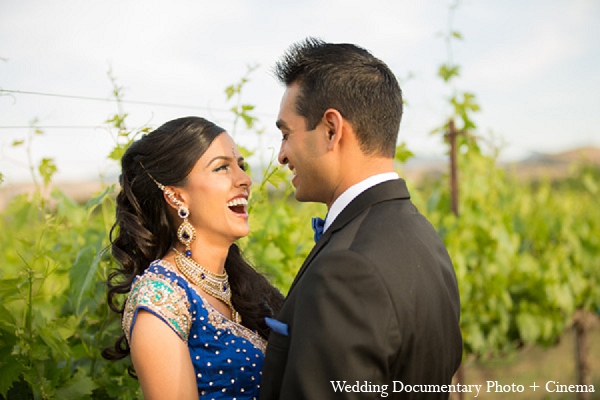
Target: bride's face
{"points": [[217, 191]]}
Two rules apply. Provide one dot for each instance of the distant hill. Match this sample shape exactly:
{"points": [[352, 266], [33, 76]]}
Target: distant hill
{"points": [[78, 191], [583, 154], [536, 165], [555, 165]]}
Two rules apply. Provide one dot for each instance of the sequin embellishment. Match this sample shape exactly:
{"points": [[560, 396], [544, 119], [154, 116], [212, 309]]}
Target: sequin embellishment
{"points": [[163, 297]]}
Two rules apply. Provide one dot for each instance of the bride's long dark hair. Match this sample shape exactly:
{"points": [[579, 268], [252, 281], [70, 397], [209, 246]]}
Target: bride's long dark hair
{"points": [[145, 231]]}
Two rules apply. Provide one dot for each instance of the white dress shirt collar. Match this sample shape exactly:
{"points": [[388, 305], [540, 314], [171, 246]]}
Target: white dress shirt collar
{"points": [[352, 192]]}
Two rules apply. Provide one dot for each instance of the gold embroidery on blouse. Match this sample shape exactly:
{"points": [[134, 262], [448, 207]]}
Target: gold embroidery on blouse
{"points": [[219, 321], [162, 296]]}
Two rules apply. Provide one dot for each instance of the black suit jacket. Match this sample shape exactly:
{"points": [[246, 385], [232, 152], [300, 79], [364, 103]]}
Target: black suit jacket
{"points": [[376, 301]]}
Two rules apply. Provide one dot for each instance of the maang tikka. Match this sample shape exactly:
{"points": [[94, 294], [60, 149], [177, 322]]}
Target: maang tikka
{"points": [[186, 232]]}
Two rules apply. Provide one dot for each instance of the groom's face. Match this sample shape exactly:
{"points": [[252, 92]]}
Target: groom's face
{"points": [[302, 150]]}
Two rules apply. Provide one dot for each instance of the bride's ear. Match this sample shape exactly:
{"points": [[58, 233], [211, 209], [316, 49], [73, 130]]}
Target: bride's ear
{"points": [[173, 197]]}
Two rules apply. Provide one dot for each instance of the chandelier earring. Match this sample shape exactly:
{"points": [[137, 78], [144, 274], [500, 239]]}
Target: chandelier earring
{"points": [[186, 232]]}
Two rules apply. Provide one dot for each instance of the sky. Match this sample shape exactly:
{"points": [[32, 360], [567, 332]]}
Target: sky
{"points": [[534, 67]]}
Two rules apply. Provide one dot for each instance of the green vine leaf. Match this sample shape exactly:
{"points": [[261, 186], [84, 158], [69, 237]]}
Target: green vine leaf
{"points": [[457, 35], [403, 154], [47, 169], [447, 72], [118, 151]]}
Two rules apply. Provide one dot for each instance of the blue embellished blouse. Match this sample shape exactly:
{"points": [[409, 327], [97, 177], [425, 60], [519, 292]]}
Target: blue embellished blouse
{"points": [[227, 356]]}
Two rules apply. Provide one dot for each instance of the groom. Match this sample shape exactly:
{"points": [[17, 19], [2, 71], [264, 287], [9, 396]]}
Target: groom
{"points": [[376, 301]]}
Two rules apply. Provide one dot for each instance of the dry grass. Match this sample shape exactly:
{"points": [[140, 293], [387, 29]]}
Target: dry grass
{"points": [[538, 365]]}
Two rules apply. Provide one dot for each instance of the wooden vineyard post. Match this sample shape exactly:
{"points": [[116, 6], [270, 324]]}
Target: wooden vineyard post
{"points": [[459, 377]]}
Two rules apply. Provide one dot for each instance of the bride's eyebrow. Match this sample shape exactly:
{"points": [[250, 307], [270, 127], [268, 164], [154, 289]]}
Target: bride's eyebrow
{"points": [[225, 158], [217, 158]]}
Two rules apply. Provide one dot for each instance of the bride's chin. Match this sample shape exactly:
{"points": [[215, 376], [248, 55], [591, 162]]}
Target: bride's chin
{"points": [[243, 232]]}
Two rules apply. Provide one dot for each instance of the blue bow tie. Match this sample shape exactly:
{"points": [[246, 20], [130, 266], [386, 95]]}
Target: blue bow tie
{"points": [[318, 224]]}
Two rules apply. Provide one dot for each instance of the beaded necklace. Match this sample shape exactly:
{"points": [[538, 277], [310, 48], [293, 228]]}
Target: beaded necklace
{"points": [[216, 285]]}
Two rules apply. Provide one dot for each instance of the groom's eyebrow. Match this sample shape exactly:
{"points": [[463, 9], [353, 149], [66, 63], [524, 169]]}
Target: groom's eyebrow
{"points": [[281, 125]]}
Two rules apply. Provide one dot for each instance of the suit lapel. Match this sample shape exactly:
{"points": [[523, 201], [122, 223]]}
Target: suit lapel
{"points": [[385, 191]]}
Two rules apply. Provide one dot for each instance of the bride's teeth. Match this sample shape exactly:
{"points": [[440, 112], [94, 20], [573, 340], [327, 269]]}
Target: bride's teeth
{"points": [[237, 202]]}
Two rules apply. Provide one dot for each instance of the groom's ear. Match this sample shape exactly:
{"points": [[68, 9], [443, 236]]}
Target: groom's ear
{"points": [[334, 124]]}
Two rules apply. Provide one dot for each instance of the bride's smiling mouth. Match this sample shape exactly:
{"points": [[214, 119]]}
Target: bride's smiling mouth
{"points": [[238, 205]]}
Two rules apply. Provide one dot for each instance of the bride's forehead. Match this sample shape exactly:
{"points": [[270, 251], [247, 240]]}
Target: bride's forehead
{"points": [[224, 146]]}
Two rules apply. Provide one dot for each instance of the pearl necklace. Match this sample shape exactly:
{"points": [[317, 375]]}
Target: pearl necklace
{"points": [[216, 285]]}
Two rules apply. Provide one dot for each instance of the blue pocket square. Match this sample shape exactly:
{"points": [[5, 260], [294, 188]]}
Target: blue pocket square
{"points": [[277, 326]]}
